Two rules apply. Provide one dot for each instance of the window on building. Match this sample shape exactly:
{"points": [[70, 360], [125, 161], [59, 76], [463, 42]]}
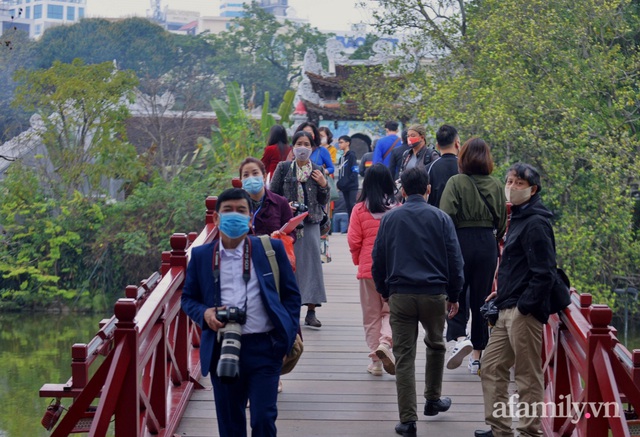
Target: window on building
{"points": [[55, 12], [71, 13], [37, 12], [27, 12], [80, 13], [38, 27]]}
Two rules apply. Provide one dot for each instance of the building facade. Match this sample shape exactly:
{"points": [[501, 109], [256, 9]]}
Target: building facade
{"points": [[39, 15]]}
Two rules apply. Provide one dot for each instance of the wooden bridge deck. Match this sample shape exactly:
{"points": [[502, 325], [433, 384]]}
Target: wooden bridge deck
{"points": [[330, 391]]}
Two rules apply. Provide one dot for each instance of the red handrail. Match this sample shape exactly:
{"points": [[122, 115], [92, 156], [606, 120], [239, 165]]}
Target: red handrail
{"points": [[151, 363], [588, 374]]}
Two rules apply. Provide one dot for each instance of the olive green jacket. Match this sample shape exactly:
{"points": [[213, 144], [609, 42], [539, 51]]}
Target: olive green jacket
{"points": [[461, 200]]}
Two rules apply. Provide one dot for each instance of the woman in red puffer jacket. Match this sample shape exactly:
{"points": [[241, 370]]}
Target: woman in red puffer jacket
{"points": [[376, 199]]}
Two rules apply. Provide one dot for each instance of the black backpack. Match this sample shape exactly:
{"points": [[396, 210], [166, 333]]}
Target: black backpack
{"points": [[430, 156]]}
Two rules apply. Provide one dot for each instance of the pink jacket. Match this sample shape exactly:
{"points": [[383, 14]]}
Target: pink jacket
{"points": [[363, 228]]}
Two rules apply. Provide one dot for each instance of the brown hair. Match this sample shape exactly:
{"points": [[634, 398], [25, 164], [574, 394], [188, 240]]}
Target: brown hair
{"points": [[252, 160], [475, 157]]}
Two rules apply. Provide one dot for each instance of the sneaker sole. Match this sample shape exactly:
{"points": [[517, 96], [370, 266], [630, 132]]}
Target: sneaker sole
{"points": [[455, 360], [388, 363], [375, 372]]}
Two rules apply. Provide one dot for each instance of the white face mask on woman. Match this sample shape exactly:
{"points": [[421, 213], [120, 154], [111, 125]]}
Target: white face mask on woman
{"points": [[517, 197]]}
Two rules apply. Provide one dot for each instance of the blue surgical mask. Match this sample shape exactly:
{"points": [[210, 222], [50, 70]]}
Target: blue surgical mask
{"points": [[234, 224], [253, 185]]}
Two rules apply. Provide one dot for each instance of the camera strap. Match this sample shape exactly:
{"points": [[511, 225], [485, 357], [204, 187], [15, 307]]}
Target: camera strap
{"points": [[246, 266]]}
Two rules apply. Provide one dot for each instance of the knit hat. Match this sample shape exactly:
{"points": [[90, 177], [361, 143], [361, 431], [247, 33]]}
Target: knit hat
{"points": [[419, 129]]}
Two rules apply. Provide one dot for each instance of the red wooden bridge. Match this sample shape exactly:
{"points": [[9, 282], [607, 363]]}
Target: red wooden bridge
{"points": [[137, 375]]}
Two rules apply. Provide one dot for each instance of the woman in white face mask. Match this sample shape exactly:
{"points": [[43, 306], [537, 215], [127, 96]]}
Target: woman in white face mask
{"points": [[270, 211], [303, 184]]}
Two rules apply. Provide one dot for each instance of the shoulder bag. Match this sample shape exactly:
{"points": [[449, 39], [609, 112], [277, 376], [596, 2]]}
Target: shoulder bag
{"points": [[496, 220], [292, 358]]}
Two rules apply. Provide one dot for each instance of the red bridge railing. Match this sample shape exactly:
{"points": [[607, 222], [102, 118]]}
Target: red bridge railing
{"points": [[589, 374], [151, 363]]}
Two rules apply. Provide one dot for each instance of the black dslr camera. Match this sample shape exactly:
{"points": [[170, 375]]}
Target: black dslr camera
{"points": [[300, 207], [228, 369], [231, 315]]}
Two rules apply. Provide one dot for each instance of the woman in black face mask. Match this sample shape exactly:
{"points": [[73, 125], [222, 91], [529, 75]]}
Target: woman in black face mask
{"points": [[302, 182]]}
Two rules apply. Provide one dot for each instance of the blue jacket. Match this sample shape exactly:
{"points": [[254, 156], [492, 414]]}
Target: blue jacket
{"points": [[382, 147], [321, 156], [198, 295]]}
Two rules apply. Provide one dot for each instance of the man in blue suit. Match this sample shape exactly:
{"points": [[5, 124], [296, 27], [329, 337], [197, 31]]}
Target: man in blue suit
{"points": [[233, 273]]}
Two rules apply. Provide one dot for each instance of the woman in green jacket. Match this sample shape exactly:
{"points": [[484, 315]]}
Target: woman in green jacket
{"points": [[476, 202]]}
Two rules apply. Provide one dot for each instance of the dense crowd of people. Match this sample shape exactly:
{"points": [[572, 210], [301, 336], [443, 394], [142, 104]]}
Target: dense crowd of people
{"points": [[441, 201]]}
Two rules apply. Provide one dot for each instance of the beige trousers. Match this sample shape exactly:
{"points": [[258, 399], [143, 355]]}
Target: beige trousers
{"points": [[516, 340]]}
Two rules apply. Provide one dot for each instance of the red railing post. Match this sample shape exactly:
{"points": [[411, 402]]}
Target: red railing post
{"points": [[210, 203], [598, 337], [127, 411], [79, 365], [179, 243]]}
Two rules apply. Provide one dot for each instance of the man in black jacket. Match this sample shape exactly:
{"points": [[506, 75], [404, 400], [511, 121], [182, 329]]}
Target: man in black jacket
{"points": [[442, 168], [526, 276], [417, 265]]}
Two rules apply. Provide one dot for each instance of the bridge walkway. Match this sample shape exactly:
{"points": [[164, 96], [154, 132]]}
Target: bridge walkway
{"points": [[330, 392]]}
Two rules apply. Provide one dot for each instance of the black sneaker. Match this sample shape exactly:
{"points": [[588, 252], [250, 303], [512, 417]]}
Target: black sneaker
{"points": [[431, 408], [407, 429], [481, 433]]}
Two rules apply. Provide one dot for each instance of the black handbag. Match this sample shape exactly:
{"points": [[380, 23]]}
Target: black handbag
{"points": [[325, 223], [560, 294], [490, 311]]}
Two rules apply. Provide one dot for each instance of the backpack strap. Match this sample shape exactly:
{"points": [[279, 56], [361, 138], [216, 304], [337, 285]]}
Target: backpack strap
{"points": [[271, 254], [390, 149]]}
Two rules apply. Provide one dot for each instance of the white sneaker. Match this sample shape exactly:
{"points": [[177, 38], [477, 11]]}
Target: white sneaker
{"points": [[461, 350], [375, 368], [388, 360], [474, 366]]}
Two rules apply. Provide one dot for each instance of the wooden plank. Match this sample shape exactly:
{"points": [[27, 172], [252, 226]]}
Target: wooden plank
{"points": [[330, 392]]}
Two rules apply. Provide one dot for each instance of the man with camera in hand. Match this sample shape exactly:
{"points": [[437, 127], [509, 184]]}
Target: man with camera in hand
{"points": [[248, 326]]}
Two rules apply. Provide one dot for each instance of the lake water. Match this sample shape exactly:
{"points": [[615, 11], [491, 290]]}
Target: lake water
{"points": [[36, 349]]}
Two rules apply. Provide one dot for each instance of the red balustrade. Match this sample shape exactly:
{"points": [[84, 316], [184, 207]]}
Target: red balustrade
{"points": [[589, 375], [151, 363]]}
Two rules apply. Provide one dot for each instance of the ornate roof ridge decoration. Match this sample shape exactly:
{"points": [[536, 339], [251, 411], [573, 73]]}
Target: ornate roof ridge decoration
{"points": [[319, 89]]}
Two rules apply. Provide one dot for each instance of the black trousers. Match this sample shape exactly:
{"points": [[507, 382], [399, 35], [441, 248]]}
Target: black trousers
{"points": [[480, 253]]}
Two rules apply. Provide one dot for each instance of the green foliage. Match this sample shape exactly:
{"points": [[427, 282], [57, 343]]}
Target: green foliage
{"points": [[137, 231], [261, 51], [42, 258], [83, 111], [553, 84], [237, 135], [134, 43]]}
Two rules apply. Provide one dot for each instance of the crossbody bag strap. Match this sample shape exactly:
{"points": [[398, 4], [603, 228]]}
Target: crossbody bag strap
{"points": [[390, 149], [271, 254], [496, 220]]}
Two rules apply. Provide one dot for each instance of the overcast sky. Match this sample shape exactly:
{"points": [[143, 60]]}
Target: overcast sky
{"points": [[323, 14]]}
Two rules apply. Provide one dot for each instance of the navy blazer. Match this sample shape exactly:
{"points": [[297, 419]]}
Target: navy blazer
{"points": [[284, 311]]}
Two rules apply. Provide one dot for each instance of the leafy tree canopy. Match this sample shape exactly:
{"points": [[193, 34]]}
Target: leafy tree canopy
{"points": [[262, 51], [550, 83], [83, 111]]}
